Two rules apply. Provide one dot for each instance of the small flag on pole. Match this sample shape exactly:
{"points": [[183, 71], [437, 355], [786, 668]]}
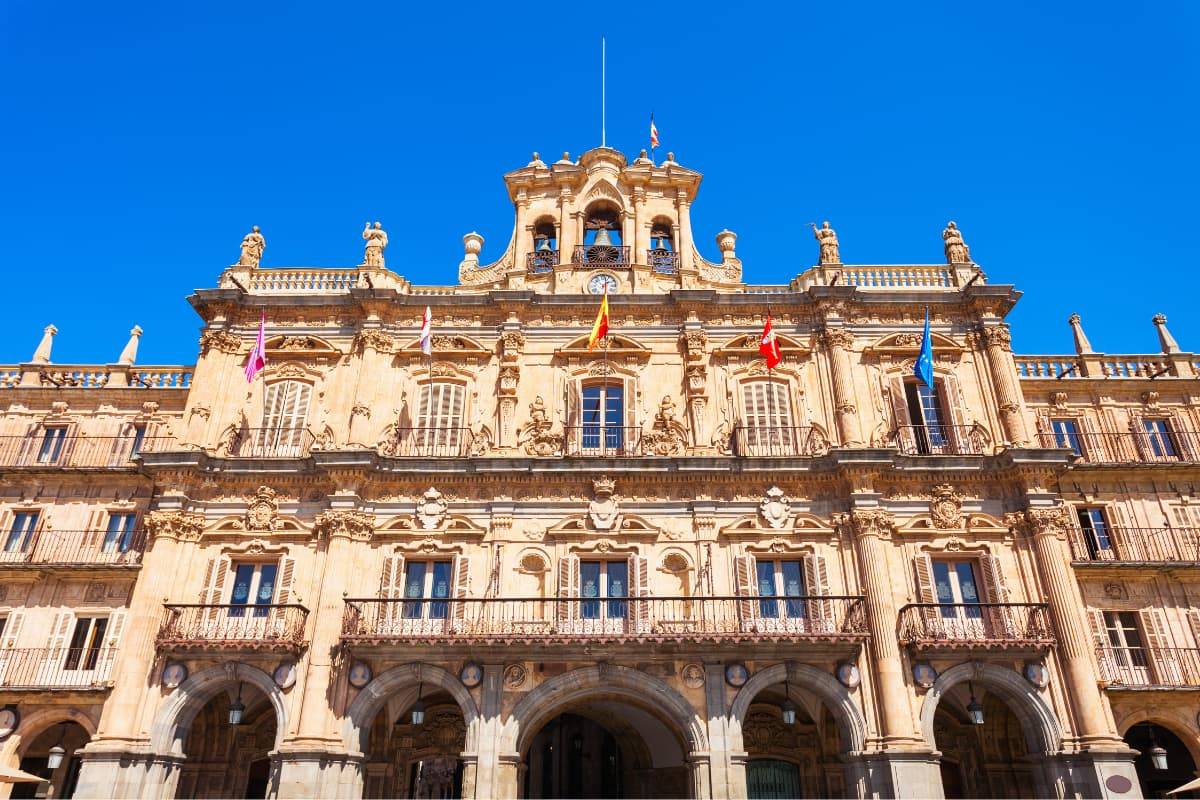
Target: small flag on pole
{"points": [[600, 327], [258, 353], [768, 346], [653, 133], [427, 332], [923, 369]]}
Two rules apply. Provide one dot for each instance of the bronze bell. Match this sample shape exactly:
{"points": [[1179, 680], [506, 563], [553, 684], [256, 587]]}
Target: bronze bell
{"points": [[602, 238], [543, 245], [660, 243]]}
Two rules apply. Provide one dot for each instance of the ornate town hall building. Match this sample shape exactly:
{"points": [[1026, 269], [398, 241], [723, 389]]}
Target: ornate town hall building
{"points": [[522, 568]]}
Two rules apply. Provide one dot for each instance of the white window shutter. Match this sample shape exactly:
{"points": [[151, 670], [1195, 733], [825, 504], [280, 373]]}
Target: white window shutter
{"points": [[747, 587], [462, 588], [284, 590], [639, 580], [60, 632], [1101, 643], [12, 630], [816, 583], [1158, 641], [923, 569], [568, 590]]}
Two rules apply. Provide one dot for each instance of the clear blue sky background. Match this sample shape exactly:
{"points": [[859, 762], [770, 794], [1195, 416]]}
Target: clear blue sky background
{"points": [[140, 142]]}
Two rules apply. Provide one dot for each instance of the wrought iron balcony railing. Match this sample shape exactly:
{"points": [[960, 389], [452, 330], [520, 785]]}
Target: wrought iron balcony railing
{"points": [[539, 262], [976, 624], [1150, 666], [200, 626], [56, 668], [601, 255], [1163, 447], [603, 441], [49, 449], [940, 440], [72, 548], [662, 261], [270, 443], [778, 441], [428, 443], [561, 619], [1146, 545]]}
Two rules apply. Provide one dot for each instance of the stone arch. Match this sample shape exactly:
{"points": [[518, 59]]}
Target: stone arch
{"points": [[1180, 726], [174, 719], [852, 728], [548, 699], [1043, 733], [36, 723], [374, 696]]}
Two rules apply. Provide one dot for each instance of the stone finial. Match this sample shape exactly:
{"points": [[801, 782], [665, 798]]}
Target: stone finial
{"points": [[670, 158], [566, 159], [130, 352], [536, 161], [1082, 345], [472, 245], [42, 354], [726, 242], [1165, 340]]}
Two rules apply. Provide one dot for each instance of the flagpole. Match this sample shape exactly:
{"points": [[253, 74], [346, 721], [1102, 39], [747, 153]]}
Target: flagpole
{"points": [[602, 90], [653, 147], [770, 386], [607, 386]]}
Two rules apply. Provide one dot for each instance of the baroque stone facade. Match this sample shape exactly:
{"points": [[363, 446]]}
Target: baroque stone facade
{"points": [[523, 568]]}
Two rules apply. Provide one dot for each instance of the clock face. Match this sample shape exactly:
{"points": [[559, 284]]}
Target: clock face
{"points": [[601, 282]]}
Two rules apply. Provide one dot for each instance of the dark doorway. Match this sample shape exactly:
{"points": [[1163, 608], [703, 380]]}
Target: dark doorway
{"points": [[258, 778], [770, 778]]}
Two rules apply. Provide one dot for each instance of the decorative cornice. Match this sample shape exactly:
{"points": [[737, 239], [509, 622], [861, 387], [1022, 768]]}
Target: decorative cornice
{"points": [[221, 341]]}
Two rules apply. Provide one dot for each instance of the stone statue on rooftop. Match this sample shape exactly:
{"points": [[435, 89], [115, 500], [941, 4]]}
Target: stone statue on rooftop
{"points": [[252, 248], [827, 237], [377, 240], [957, 251]]}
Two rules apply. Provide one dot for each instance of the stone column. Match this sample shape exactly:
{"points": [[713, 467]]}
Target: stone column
{"points": [[512, 343], [683, 207], [838, 342], [566, 227], [998, 342], [487, 762], [695, 343], [726, 770], [373, 348], [313, 759], [640, 227]]}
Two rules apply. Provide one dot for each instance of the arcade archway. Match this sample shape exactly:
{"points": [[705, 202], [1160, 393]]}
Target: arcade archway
{"points": [[1175, 765], [226, 759], [52, 755]]}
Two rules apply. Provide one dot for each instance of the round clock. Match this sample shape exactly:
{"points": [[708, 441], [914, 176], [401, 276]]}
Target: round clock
{"points": [[10, 718], [174, 674], [601, 282]]}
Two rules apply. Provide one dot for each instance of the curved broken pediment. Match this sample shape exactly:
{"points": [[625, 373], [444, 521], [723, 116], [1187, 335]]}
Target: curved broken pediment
{"points": [[619, 347], [746, 345], [908, 343]]}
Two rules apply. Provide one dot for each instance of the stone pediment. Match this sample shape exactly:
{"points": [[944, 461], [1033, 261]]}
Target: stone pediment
{"points": [[448, 346], [746, 346], [451, 525], [628, 526], [908, 343], [301, 346], [924, 525], [619, 348], [754, 527]]}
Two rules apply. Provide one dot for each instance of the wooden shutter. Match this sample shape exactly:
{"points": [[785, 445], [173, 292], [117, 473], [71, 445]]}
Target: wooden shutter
{"points": [[108, 649], [462, 588], [1076, 536], [573, 402], [1103, 647], [747, 587], [12, 630], [1001, 620], [213, 593], [391, 581], [766, 405], [639, 590], [899, 404], [816, 582], [287, 572], [926, 593], [441, 406], [631, 434], [951, 397], [568, 587], [1141, 439], [60, 632], [1155, 632]]}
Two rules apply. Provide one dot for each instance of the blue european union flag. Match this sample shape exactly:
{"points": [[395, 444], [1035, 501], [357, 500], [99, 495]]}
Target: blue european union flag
{"points": [[923, 369]]}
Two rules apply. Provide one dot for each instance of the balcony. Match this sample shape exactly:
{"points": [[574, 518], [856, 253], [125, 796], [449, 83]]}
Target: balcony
{"points": [[557, 620], [601, 255], [1150, 667], [55, 668], [962, 626], [428, 443], [92, 548], [1169, 447], [1137, 545], [541, 262], [233, 627], [662, 261], [270, 443], [46, 450], [608, 441], [940, 440], [778, 442]]}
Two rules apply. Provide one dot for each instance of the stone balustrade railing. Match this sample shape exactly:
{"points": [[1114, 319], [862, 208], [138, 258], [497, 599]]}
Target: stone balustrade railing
{"points": [[95, 376], [1099, 365], [302, 281], [899, 277]]}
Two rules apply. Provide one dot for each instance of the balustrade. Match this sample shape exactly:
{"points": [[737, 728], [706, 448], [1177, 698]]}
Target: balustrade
{"points": [[302, 281], [967, 624], [56, 668], [941, 440], [235, 626], [428, 443], [74, 548], [1171, 667], [884, 277]]}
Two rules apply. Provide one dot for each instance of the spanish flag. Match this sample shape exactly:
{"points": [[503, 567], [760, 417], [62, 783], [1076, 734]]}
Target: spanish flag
{"points": [[600, 328]]}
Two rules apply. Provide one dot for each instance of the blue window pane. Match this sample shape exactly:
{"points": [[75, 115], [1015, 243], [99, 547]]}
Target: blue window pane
{"points": [[52, 443], [22, 530], [414, 587], [966, 585], [440, 589], [1066, 434], [766, 588], [1159, 434], [266, 589], [119, 533], [589, 586], [793, 586], [240, 595], [941, 584], [618, 586], [603, 415]]}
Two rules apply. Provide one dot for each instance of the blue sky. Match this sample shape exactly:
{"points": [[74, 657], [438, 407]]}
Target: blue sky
{"points": [[141, 141]]}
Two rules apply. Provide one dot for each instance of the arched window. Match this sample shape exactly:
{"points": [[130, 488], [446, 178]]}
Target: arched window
{"points": [[284, 432], [602, 237], [662, 256], [766, 428], [544, 255]]}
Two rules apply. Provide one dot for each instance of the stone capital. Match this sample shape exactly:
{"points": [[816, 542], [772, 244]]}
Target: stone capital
{"points": [[356, 525], [180, 525], [1035, 522], [221, 341], [997, 336], [862, 522], [837, 338]]}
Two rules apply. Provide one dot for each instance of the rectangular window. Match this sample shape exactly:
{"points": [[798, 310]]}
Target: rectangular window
{"points": [[440, 420], [783, 578], [139, 439], [86, 642], [1125, 638], [603, 418], [1095, 532], [285, 416], [52, 445], [20, 533], [426, 580], [603, 579], [955, 584], [767, 419], [253, 586], [1159, 439], [925, 411], [120, 533], [1066, 434]]}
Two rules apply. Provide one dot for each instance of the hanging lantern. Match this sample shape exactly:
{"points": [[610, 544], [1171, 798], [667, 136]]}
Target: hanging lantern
{"points": [[418, 709], [57, 753], [1157, 753], [236, 709], [787, 707], [975, 709]]}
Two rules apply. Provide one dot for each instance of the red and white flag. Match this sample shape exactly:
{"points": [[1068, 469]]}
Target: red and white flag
{"points": [[258, 353], [427, 332], [653, 133], [768, 346]]}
